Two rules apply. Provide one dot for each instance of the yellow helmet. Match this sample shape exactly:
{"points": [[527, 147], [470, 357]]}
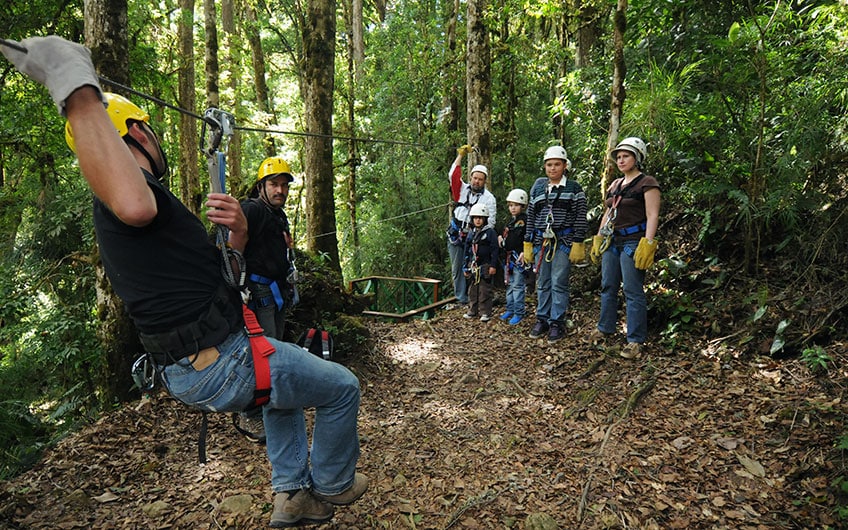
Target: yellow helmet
{"points": [[120, 109], [273, 166]]}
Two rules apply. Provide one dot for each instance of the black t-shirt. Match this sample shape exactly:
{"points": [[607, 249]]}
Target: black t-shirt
{"points": [[167, 272], [266, 253], [514, 230]]}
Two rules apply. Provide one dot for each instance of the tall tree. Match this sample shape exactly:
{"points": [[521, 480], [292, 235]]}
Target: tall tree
{"points": [[189, 178], [619, 71], [354, 57], [106, 36], [234, 62], [478, 84], [318, 35], [257, 56], [210, 25]]}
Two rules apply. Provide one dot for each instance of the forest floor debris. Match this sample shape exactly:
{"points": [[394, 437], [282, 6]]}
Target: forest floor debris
{"points": [[472, 425]]}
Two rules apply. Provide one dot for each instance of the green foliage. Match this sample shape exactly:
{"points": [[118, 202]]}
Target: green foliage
{"points": [[817, 360]]}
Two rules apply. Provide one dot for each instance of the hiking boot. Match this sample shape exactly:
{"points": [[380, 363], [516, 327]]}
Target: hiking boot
{"points": [[506, 316], [597, 337], [515, 320], [302, 507], [556, 332], [348, 496], [631, 351], [539, 329], [252, 427], [486, 318]]}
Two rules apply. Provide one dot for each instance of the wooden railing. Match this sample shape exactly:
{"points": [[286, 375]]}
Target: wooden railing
{"points": [[400, 298]]}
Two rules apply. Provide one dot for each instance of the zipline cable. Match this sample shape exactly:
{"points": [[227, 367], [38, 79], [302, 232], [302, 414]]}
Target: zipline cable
{"points": [[163, 103], [206, 120]]}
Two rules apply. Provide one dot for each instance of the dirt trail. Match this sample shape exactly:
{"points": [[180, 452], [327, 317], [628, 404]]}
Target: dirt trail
{"points": [[470, 425]]}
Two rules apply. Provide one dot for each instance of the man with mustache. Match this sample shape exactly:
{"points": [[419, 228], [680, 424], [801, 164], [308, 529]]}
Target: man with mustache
{"points": [[270, 263]]}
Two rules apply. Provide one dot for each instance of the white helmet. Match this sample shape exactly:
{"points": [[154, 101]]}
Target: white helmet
{"points": [[479, 210], [518, 196], [634, 145], [557, 151], [481, 168]]}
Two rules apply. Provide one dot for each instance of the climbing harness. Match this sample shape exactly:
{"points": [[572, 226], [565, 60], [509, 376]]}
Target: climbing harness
{"points": [[608, 229]]}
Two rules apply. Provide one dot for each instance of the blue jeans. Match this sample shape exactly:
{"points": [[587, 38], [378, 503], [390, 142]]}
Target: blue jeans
{"points": [[618, 269], [457, 258], [515, 291], [299, 380], [552, 284]]}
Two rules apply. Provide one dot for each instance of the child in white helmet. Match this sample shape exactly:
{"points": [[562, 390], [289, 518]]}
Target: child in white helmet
{"points": [[512, 242], [481, 258], [556, 226]]}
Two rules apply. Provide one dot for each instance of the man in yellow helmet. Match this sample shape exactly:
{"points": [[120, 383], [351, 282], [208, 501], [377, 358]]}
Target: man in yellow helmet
{"points": [[160, 261], [269, 258]]}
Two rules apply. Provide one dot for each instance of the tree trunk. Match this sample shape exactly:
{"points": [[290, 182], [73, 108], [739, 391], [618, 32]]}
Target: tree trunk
{"points": [[353, 149], [478, 85], [189, 178], [588, 32], [257, 56], [210, 24], [106, 36], [619, 72], [233, 46], [319, 38], [358, 41]]}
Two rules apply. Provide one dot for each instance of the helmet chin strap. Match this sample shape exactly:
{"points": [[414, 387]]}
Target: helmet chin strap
{"points": [[158, 172]]}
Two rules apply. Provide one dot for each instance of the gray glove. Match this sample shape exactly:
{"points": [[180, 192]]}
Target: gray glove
{"points": [[60, 65]]}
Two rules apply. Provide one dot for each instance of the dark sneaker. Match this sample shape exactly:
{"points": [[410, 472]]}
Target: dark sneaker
{"points": [[299, 508], [539, 329], [556, 332], [348, 496], [251, 426]]}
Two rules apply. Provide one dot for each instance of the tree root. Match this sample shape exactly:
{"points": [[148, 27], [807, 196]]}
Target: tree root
{"points": [[626, 409], [484, 498]]}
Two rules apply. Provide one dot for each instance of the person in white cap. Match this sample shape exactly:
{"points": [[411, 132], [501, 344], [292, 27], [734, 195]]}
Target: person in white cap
{"points": [[465, 195]]}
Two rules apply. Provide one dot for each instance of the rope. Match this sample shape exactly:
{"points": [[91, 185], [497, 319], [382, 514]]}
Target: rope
{"points": [[379, 221]]}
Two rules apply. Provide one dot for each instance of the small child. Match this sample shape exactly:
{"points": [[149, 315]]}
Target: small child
{"points": [[481, 256], [512, 241]]}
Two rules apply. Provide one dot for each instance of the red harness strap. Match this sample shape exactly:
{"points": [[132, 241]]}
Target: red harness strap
{"points": [[260, 348]]}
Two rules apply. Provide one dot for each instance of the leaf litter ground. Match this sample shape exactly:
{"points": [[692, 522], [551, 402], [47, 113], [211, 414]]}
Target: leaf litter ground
{"points": [[474, 425]]}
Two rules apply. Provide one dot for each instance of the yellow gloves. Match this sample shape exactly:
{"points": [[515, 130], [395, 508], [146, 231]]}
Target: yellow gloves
{"points": [[528, 253], [597, 245], [463, 150], [578, 252], [644, 257]]}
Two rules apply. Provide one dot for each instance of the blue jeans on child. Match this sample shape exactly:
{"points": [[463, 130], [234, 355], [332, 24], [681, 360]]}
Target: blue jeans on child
{"points": [[298, 380], [516, 291], [552, 284], [618, 269]]}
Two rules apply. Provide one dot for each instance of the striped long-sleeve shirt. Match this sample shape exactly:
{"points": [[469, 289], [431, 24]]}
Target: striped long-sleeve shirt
{"points": [[564, 206]]}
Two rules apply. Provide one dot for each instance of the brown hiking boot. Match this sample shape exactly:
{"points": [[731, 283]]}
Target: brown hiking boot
{"points": [[631, 351], [348, 496], [298, 509], [597, 337]]}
